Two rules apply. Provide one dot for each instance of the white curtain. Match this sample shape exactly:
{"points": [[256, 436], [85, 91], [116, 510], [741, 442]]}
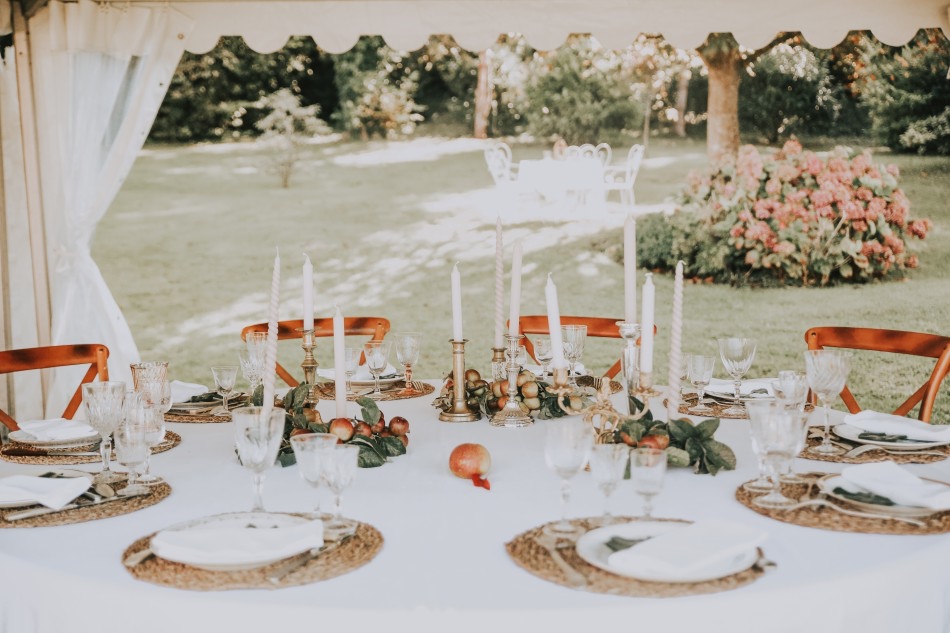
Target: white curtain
{"points": [[102, 72]]}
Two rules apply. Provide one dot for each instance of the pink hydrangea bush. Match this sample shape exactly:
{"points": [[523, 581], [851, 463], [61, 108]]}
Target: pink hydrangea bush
{"points": [[797, 217]]}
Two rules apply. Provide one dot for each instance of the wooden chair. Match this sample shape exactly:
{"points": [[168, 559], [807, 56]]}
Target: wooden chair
{"points": [[894, 342], [56, 356], [375, 327]]}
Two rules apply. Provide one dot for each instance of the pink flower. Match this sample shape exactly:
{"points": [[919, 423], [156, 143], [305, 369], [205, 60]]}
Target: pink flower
{"points": [[813, 164], [859, 225], [773, 187], [745, 216], [894, 243], [863, 193], [736, 231], [729, 190], [763, 209], [822, 198], [784, 248], [893, 170], [919, 228], [787, 172], [792, 148], [861, 163], [749, 163]]}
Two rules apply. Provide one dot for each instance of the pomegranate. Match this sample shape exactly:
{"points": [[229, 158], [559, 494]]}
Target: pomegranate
{"points": [[342, 428], [471, 461]]}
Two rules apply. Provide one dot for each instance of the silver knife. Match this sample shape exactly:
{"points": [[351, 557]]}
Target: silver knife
{"points": [[37, 512], [296, 562]]}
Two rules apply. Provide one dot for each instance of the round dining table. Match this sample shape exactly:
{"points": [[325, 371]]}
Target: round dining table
{"points": [[443, 566]]}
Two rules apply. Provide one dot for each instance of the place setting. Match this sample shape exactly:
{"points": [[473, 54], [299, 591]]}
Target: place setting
{"points": [[196, 404], [641, 556], [260, 549]]}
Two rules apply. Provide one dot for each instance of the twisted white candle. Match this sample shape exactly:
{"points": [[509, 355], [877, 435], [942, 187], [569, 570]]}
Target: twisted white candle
{"points": [[676, 345], [499, 286], [270, 353], [630, 270], [339, 361], [514, 317]]}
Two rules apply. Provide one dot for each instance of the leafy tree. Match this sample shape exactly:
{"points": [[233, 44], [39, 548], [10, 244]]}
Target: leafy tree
{"points": [[285, 128]]}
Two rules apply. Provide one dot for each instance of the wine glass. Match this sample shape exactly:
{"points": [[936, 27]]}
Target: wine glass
{"points": [[791, 389], [104, 402], [827, 371], [339, 471], [148, 372], [759, 410], [377, 357], [251, 369], [408, 346], [311, 452], [544, 353], [779, 432], [567, 447], [574, 337], [256, 345], [257, 438], [224, 377], [351, 361], [699, 370], [647, 469], [131, 449], [607, 463], [737, 355]]}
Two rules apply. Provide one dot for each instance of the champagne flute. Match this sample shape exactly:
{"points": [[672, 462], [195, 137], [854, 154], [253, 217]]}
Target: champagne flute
{"points": [[567, 447], [737, 354], [647, 469], [104, 402], [779, 433], [544, 353], [574, 337], [699, 370], [351, 361], [224, 377], [377, 357], [311, 452], [827, 371], [408, 346], [607, 463], [342, 462], [258, 439]]}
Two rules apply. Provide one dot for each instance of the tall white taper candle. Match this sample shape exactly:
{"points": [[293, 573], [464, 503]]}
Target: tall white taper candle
{"points": [[554, 325], [676, 345], [646, 324], [339, 363], [514, 315], [270, 353], [456, 304], [630, 270], [307, 293], [499, 286]]}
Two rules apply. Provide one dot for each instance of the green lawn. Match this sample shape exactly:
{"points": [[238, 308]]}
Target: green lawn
{"points": [[188, 244]]}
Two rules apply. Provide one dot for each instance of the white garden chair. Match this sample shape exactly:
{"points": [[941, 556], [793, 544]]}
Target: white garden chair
{"points": [[498, 158], [604, 153], [622, 179]]}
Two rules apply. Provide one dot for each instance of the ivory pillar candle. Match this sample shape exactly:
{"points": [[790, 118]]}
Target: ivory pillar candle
{"points": [[646, 321], [339, 364], [499, 286], [307, 293], [515, 315], [676, 344], [630, 270], [554, 324], [456, 304], [270, 353]]}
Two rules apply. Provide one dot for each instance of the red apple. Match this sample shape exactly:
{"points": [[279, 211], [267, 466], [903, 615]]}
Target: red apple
{"points": [[299, 431], [399, 425], [380, 425], [342, 428], [471, 461], [404, 439], [364, 429], [385, 433]]}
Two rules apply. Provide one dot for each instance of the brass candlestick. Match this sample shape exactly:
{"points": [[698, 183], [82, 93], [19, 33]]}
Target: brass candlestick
{"points": [[497, 364], [309, 365], [512, 415], [460, 411], [561, 388]]}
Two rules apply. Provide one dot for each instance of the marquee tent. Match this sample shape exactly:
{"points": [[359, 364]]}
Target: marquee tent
{"points": [[83, 81]]}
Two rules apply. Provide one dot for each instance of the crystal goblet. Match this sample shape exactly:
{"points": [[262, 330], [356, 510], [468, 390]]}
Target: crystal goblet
{"points": [[257, 438], [567, 447], [737, 354], [647, 470], [607, 464], [377, 357], [827, 372], [311, 452], [104, 402], [408, 345]]}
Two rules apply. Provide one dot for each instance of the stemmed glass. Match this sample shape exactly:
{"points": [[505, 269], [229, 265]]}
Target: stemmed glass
{"points": [[131, 443], [567, 447], [607, 463], [574, 337], [759, 410], [351, 361], [699, 370], [377, 357], [156, 394], [311, 452], [778, 432], [104, 402], [737, 355], [339, 471], [408, 346], [544, 353], [251, 369], [148, 372], [791, 389], [256, 345], [257, 439], [647, 469], [827, 371], [224, 377]]}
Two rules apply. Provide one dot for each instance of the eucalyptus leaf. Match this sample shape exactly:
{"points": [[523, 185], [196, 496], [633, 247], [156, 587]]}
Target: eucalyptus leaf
{"points": [[369, 443], [695, 449], [392, 446], [257, 398], [718, 457], [369, 410], [863, 497], [369, 458], [681, 431], [707, 428], [286, 459], [677, 457]]}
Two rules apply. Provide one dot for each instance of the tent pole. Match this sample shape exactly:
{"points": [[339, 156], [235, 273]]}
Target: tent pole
{"points": [[34, 196], [6, 336]]}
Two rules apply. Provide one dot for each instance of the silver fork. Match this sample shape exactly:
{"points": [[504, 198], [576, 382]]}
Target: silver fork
{"points": [[822, 503], [573, 577], [867, 448]]}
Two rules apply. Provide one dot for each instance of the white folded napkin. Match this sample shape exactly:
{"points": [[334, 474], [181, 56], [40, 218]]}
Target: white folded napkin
{"points": [[52, 493], [719, 386], [536, 369], [363, 373], [875, 422], [211, 544], [899, 485], [56, 429], [687, 550], [184, 391]]}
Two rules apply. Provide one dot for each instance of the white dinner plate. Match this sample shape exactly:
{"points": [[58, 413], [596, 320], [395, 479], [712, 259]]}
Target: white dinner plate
{"points": [[248, 559], [592, 548], [744, 396], [25, 438], [851, 433], [829, 483]]}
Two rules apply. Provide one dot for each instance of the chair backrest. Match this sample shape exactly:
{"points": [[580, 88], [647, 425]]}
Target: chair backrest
{"points": [[56, 356], [602, 327], [572, 151], [604, 153], [587, 150], [375, 327], [498, 159], [894, 342], [634, 158]]}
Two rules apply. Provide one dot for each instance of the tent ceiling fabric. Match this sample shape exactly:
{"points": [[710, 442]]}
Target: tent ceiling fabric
{"points": [[406, 24]]}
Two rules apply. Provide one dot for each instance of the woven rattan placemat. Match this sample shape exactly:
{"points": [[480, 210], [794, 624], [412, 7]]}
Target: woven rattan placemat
{"points": [[595, 381], [171, 440], [898, 457], [326, 391], [528, 554], [90, 513], [827, 518], [350, 554]]}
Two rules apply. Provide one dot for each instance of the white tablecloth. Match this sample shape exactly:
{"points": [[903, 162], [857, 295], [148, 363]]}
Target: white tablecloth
{"points": [[444, 567]]}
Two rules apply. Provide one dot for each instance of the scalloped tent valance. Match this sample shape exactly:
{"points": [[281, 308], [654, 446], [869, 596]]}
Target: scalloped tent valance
{"points": [[406, 24]]}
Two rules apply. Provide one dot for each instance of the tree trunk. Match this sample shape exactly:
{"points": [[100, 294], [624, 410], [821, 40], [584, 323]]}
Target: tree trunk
{"points": [[682, 93], [722, 132], [482, 97]]}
